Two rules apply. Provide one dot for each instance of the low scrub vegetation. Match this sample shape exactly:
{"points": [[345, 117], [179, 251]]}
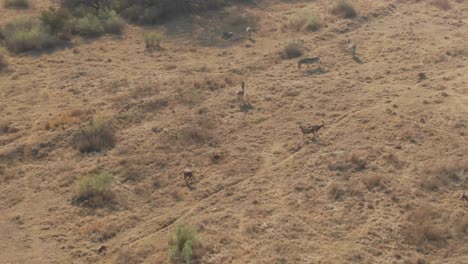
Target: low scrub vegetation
{"points": [[3, 60], [95, 190], [92, 25], [422, 228], [344, 9], [183, 241], [18, 4], [55, 20], [355, 160], [293, 50], [306, 21], [443, 173], [153, 41], [95, 136], [23, 34]]}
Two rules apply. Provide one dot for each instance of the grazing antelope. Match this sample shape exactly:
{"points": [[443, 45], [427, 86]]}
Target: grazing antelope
{"points": [[188, 176], [249, 30], [240, 95], [311, 129], [464, 197], [228, 35], [352, 48], [309, 61]]}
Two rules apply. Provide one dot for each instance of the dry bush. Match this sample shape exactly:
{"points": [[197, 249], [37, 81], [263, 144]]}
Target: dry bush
{"points": [[17, 4], [421, 227], [334, 191], [134, 256], [461, 227], [373, 181], [74, 116], [306, 21], [100, 231], [94, 190], [442, 4], [95, 136], [355, 160], [153, 41], [293, 50], [442, 173], [190, 96], [344, 9]]}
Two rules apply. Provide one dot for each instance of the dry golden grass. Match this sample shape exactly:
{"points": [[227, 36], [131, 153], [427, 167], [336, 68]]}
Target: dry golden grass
{"points": [[422, 228], [373, 181], [97, 135], [444, 173], [72, 117], [354, 160]]}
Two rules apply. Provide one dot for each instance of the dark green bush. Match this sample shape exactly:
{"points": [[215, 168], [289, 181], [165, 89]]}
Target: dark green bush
{"points": [[18, 4], [92, 25], [344, 9], [182, 243], [55, 19]]}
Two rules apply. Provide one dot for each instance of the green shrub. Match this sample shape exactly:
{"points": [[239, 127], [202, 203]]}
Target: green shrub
{"points": [[113, 23], [293, 50], [95, 136], [344, 9], [182, 243], [153, 40], [92, 25], [95, 190], [18, 4], [55, 20], [24, 34]]}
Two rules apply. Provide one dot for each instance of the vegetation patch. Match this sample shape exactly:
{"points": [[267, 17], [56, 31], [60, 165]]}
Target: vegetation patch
{"points": [[3, 60], [153, 41], [183, 241], [422, 227], [344, 9], [95, 191], [306, 21], [442, 4], [23, 34], [293, 50], [444, 173], [17, 4], [95, 136], [92, 25]]}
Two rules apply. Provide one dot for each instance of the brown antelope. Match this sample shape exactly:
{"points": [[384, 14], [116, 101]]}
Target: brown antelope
{"points": [[249, 30], [352, 48], [311, 129], [240, 95], [188, 176]]}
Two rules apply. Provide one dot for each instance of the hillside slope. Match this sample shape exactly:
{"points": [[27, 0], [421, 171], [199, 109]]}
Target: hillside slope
{"points": [[380, 184]]}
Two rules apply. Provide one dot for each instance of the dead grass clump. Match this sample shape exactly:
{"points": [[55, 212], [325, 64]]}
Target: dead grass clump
{"points": [[190, 97], [335, 192], [461, 227], [75, 116], [442, 4], [100, 231], [293, 50], [95, 136], [17, 4], [344, 9], [421, 227], [95, 190], [443, 173], [373, 181], [355, 160], [193, 136]]}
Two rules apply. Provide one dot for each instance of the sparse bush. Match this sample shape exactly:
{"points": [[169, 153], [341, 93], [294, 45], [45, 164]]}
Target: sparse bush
{"points": [[293, 50], [95, 136], [335, 192], [442, 4], [18, 4], [307, 21], [23, 34], [355, 160], [55, 19], [89, 25], [442, 173], [94, 190], [183, 240], [153, 40], [344, 9], [421, 227]]}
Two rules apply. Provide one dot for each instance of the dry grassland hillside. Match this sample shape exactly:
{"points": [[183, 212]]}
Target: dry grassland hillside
{"points": [[98, 123]]}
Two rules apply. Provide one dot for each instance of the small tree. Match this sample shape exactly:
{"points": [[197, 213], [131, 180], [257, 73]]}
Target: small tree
{"points": [[182, 241]]}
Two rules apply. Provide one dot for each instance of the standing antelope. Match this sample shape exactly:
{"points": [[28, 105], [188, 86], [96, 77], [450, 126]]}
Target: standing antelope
{"points": [[240, 95], [188, 176], [249, 30], [352, 48], [310, 129]]}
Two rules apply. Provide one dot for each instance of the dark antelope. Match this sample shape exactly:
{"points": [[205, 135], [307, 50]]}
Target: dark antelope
{"points": [[188, 176], [311, 129]]}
